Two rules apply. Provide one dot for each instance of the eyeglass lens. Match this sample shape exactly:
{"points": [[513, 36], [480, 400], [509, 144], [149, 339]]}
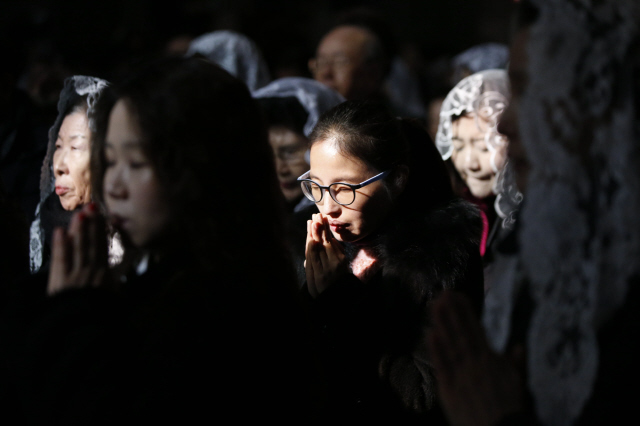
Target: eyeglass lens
{"points": [[342, 194]]}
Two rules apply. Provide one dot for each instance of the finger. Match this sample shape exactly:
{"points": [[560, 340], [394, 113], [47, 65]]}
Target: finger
{"points": [[315, 232], [79, 243], [58, 269], [310, 273], [98, 237], [309, 238]]}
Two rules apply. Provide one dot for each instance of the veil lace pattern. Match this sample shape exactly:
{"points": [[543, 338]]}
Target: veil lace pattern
{"points": [[579, 234], [484, 95]]}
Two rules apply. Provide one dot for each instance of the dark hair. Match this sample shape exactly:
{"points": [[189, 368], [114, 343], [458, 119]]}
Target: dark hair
{"points": [[198, 122], [368, 131], [284, 111]]}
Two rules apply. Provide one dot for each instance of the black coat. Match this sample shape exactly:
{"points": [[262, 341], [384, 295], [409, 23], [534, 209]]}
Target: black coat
{"points": [[172, 347], [372, 335]]}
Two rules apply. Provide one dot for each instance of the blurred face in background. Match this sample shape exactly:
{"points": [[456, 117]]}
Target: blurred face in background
{"points": [[289, 149], [472, 157], [343, 62], [71, 161], [138, 205]]}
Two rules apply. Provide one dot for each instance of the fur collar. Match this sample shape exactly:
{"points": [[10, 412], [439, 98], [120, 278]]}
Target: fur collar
{"points": [[430, 251]]}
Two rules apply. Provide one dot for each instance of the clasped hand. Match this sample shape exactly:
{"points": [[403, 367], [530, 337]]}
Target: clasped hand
{"points": [[79, 255], [325, 259]]}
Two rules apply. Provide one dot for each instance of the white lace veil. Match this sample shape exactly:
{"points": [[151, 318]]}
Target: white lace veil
{"points": [[234, 52], [315, 97], [75, 87], [484, 95], [579, 237]]}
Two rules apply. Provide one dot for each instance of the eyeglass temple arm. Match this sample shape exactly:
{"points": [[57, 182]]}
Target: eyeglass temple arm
{"points": [[305, 175], [373, 179]]}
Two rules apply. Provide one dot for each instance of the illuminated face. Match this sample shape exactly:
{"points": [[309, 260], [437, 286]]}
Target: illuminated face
{"points": [[289, 148], [71, 161], [133, 194], [372, 203], [472, 157], [341, 63]]}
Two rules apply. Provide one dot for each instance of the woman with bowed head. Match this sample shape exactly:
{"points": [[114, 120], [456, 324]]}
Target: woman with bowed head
{"points": [[65, 181], [558, 341], [388, 238], [468, 136], [205, 321]]}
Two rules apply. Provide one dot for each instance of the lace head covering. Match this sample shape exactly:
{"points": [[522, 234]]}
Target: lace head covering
{"points": [[234, 52], [579, 233], [486, 56], [483, 95], [314, 96], [75, 88]]}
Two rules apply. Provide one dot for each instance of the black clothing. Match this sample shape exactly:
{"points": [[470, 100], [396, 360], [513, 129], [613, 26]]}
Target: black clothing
{"points": [[172, 346], [372, 335]]}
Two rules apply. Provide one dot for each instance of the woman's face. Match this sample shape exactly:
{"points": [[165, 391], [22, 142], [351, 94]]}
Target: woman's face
{"points": [[372, 204], [71, 161], [134, 196], [288, 149], [472, 158]]}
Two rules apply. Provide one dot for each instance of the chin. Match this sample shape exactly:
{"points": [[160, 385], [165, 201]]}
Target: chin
{"points": [[69, 205]]}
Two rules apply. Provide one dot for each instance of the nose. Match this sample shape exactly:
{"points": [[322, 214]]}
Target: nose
{"points": [[60, 166], [328, 206], [114, 184], [282, 168], [471, 159], [322, 71]]}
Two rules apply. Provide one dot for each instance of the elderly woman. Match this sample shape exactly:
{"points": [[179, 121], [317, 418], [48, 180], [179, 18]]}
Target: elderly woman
{"points": [[292, 106], [204, 320], [65, 182], [468, 137]]}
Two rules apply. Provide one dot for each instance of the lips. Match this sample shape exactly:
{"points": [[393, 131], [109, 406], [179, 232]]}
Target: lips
{"points": [[61, 190], [337, 226]]}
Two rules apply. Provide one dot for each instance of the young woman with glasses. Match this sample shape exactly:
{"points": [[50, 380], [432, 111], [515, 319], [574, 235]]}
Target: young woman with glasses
{"points": [[388, 238]]}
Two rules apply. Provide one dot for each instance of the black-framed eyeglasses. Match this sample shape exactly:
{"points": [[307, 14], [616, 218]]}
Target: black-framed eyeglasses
{"points": [[341, 192]]}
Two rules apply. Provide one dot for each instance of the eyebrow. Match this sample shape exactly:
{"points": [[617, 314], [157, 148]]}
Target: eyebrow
{"points": [[72, 137], [338, 180]]}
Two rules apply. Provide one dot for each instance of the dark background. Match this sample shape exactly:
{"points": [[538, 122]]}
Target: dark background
{"points": [[105, 38]]}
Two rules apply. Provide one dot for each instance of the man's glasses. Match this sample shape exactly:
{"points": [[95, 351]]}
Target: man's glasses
{"points": [[342, 193]]}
